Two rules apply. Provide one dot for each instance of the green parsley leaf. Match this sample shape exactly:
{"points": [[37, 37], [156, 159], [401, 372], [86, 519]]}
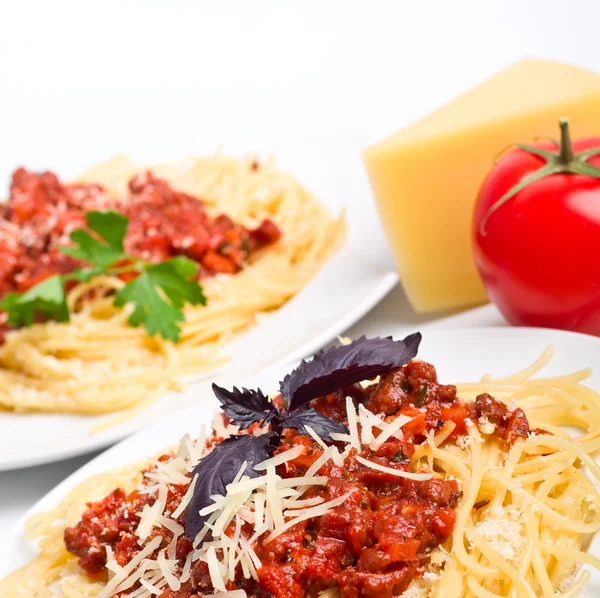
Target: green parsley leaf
{"points": [[111, 228], [110, 225], [159, 294], [173, 277], [85, 274], [150, 309], [45, 299]]}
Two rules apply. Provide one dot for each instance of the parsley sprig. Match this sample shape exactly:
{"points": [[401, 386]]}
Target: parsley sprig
{"points": [[158, 293]]}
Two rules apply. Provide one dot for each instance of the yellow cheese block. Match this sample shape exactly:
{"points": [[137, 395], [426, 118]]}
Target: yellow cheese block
{"points": [[425, 177]]}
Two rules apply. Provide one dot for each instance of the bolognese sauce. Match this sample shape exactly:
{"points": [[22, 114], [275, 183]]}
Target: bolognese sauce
{"points": [[373, 544], [42, 211]]}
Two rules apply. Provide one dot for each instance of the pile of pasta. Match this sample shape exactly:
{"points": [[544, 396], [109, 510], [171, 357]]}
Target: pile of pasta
{"points": [[525, 516], [97, 363]]}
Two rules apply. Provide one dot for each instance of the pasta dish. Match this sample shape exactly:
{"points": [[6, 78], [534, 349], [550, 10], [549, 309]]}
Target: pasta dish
{"points": [[364, 476], [118, 284]]}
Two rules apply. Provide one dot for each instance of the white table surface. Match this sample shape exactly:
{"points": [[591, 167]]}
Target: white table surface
{"points": [[83, 80]]}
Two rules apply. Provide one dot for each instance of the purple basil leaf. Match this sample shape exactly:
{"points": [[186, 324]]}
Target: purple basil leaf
{"points": [[332, 369], [218, 469], [245, 406], [321, 424]]}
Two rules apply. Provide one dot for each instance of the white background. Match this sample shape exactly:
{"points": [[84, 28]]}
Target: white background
{"points": [[81, 81]]}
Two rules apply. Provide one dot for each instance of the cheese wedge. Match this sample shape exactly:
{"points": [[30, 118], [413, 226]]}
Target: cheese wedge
{"points": [[425, 177]]}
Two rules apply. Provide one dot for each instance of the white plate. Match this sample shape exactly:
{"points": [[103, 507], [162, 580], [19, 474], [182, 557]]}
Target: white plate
{"points": [[347, 287], [459, 355]]}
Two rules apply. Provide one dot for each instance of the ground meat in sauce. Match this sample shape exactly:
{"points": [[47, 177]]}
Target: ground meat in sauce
{"points": [[508, 425], [41, 212], [374, 544]]}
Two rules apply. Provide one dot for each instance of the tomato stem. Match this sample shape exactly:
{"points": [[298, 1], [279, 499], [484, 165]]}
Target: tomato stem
{"points": [[565, 155], [565, 161]]}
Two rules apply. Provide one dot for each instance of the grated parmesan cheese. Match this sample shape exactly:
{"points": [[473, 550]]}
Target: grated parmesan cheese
{"points": [[166, 568], [568, 581], [317, 511], [417, 589], [390, 430], [150, 514], [396, 472], [430, 438], [338, 437], [352, 424], [260, 500], [123, 577], [315, 437], [464, 442], [431, 577], [300, 504], [151, 587], [281, 458], [214, 569], [171, 525], [503, 529], [187, 567], [326, 456], [366, 424], [274, 499], [486, 426], [439, 556], [187, 497], [173, 471]]}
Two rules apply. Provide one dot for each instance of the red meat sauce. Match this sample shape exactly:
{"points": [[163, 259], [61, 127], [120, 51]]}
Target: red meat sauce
{"points": [[373, 545], [42, 211]]}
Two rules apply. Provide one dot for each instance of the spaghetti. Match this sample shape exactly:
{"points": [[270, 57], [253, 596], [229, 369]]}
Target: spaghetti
{"points": [[487, 506], [96, 363]]}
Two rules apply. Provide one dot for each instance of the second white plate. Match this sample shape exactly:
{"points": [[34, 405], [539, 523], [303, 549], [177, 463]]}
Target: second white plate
{"points": [[459, 355], [347, 287]]}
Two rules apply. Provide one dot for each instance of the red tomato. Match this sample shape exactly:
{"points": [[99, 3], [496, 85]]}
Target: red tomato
{"points": [[539, 252]]}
